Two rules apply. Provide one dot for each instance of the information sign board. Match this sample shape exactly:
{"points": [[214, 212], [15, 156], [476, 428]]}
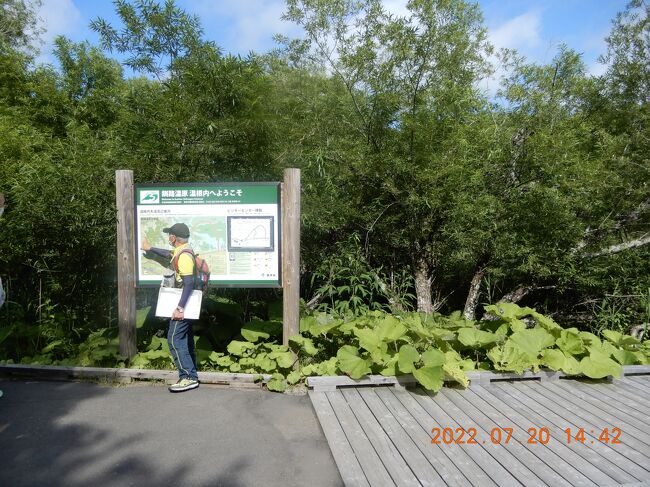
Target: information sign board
{"points": [[235, 227]]}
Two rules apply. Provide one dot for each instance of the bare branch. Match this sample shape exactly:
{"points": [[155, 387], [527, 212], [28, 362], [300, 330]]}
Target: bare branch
{"points": [[592, 235], [521, 292], [313, 302], [614, 249]]}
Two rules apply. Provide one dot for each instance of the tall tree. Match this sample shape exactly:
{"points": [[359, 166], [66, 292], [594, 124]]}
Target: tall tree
{"points": [[411, 84]]}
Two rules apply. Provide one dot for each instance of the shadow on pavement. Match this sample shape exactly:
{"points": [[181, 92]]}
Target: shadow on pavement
{"points": [[78, 434]]}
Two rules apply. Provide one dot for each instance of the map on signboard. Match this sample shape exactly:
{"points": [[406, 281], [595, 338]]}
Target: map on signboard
{"points": [[248, 233], [208, 238]]}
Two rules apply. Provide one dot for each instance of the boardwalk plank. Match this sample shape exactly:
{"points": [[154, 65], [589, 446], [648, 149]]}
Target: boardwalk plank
{"points": [[409, 451], [577, 396], [618, 463], [480, 456], [616, 392], [630, 454], [597, 397], [501, 453], [388, 453], [631, 390], [477, 476], [370, 462], [492, 405], [598, 471], [421, 437], [380, 436], [641, 382], [346, 460], [541, 461]]}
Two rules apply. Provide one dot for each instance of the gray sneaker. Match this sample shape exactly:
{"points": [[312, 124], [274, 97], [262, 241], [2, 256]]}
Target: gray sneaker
{"points": [[184, 385]]}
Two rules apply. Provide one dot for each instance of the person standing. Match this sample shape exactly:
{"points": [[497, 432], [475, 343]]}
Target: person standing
{"points": [[180, 334]]}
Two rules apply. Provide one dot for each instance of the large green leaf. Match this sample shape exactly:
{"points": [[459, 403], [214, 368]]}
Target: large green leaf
{"points": [[510, 358], [390, 366], [305, 344], [351, 363], [471, 337], [256, 330], [532, 341], [214, 356], [598, 365], [327, 367], [553, 359], [571, 365], [284, 359], [391, 329], [442, 333], [239, 348], [408, 355], [431, 378], [516, 325], [626, 357], [277, 383], [311, 369], [618, 339], [225, 361], [262, 361], [570, 341], [368, 338], [508, 310], [321, 324], [454, 371], [157, 343], [589, 339], [433, 357], [294, 377], [545, 322]]}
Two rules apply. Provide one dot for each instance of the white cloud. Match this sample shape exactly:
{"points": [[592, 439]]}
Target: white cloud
{"points": [[521, 33], [518, 33], [247, 25], [59, 17], [396, 7], [56, 17]]}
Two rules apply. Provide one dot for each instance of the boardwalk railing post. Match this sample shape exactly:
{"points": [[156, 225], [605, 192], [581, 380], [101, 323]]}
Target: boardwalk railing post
{"points": [[125, 262], [290, 253]]}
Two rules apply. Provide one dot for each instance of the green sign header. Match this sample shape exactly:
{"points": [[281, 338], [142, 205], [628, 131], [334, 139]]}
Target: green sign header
{"points": [[208, 194]]}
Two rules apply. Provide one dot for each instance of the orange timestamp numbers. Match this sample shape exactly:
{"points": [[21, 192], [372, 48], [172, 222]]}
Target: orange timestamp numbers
{"points": [[503, 435]]}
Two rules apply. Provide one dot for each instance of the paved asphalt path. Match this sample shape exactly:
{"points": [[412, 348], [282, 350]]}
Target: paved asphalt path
{"points": [[81, 434]]}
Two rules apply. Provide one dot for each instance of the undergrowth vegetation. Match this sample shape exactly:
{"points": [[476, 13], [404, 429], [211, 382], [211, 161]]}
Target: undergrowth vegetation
{"points": [[432, 347]]}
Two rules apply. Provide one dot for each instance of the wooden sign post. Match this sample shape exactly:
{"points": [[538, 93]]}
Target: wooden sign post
{"points": [[125, 262], [290, 254]]}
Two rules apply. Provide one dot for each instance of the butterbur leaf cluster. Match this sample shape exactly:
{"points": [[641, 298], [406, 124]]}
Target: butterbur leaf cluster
{"points": [[435, 348]]}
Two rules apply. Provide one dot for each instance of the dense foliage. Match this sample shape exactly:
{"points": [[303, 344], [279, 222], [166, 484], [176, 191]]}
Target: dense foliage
{"points": [[432, 347], [420, 192]]}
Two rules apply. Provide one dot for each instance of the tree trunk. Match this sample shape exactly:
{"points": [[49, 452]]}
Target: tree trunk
{"points": [[423, 281], [472, 297]]}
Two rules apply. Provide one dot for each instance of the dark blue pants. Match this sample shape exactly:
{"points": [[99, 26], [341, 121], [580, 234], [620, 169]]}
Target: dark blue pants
{"points": [[180, 337]]}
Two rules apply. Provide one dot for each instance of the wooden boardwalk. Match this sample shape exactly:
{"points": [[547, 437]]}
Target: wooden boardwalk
{"points": [[382, 435]]}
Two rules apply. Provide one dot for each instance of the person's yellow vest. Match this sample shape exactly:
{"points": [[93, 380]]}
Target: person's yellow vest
{"points": [[185, 264]]}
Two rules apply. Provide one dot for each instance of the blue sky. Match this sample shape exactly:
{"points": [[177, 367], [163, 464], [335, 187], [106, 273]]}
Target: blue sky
{"points": [[534, 27]]}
